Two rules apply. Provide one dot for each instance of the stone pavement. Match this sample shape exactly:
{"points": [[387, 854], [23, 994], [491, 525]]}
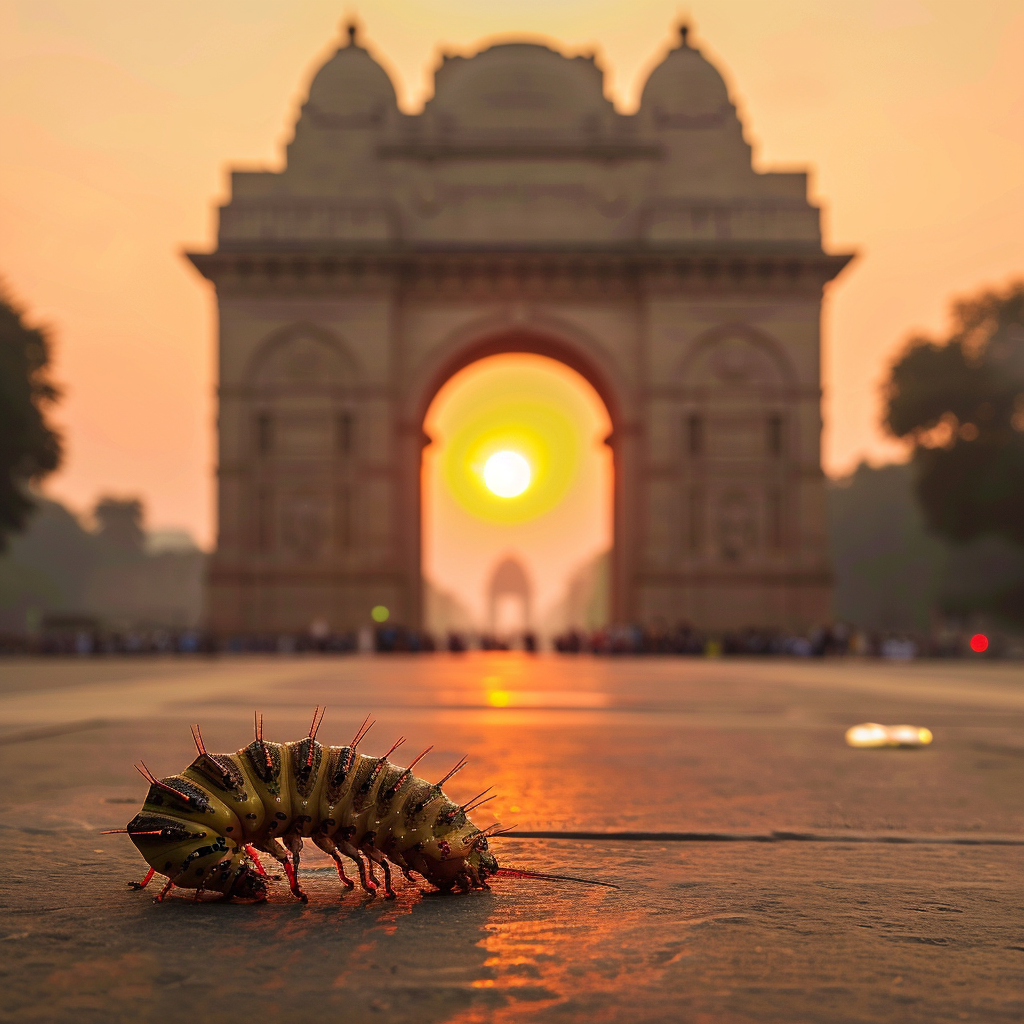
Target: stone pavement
{"points": [[786, 931]]}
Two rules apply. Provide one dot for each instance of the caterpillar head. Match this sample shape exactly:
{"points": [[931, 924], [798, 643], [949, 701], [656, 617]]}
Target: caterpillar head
{"points": [[483, 860], [234, 878]]}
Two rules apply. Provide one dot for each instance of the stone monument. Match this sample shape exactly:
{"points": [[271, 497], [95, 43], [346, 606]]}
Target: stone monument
{"points": [[519, 212]]}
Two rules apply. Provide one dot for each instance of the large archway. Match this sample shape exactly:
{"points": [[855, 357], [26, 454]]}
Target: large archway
{"points": [[536, 220], [551, 535], [578, 357]]}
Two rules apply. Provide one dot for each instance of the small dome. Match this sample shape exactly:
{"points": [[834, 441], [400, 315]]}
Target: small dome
{"points": [[351, 85], [519, 87], [683, 87]]}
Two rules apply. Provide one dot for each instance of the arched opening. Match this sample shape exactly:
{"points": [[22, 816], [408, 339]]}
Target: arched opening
{"points": [[517, 494]]}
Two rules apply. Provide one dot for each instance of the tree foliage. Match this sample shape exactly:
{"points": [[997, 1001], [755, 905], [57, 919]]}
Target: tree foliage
{"points": [[29, 447], [960, 404]]}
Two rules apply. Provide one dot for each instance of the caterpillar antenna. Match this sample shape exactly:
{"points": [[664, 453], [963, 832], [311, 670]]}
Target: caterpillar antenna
{"points": [[522, 873]]}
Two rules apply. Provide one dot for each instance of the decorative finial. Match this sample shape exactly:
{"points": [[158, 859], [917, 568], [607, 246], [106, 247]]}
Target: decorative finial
{"points": [[352, 29], [684, 32]]}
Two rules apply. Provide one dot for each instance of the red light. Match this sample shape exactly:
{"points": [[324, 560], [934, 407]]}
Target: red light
{"points": [[979, 643]]}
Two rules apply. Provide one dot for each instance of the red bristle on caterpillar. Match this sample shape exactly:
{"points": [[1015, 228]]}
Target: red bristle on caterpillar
{"points": [[419, 757], [197, 737], [458, 768], [315, 724], [361, 732], [313, 727], [466, 808], [491, 830], [477, 797], [406, 772], [521, 873], [154, 781], [394, 747], [258, 723], [115, 831]]}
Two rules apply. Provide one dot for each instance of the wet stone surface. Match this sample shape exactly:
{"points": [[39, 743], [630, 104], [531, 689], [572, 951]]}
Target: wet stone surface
{"points": [[740, 931]]}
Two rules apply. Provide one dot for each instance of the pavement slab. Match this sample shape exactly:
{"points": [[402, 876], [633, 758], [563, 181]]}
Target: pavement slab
{"points": [[843, 930]]}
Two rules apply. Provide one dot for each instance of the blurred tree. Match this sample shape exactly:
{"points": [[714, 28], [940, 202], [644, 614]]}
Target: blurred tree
{"points": [[892, 573], [960, 404], [29, 448]]}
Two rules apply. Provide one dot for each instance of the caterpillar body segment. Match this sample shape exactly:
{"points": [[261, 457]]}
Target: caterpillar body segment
{"points": [[204, 828]]}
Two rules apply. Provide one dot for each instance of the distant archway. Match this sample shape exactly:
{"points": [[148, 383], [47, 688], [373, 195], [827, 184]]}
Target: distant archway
{"points": [[509, 580]]}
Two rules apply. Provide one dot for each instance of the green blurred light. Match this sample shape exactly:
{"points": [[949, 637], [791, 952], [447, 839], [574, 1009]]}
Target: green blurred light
{"points": [[380, 613]]}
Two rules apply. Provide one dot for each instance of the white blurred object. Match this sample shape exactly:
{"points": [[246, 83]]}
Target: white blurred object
{"points": [[871, 734]]}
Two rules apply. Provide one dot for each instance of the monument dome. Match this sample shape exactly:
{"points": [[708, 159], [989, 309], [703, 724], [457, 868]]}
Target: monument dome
{"points": [[351, 85], [516, 87], [685, 87]]}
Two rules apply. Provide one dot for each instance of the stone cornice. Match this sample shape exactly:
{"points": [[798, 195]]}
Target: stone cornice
{"points": [[594, 152], [485, 271]]}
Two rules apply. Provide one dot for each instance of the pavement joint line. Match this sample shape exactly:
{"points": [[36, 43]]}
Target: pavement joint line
{"points": [[769, 837]]}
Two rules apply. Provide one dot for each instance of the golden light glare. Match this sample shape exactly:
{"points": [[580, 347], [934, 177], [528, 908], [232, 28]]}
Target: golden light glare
{"points": [[507, 474], [512, 449]]}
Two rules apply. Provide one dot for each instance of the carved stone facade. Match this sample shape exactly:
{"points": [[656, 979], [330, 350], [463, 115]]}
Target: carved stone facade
{"points": [[519, 212]]}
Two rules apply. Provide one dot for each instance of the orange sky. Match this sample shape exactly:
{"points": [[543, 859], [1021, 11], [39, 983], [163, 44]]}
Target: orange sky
{"points": [[119, 118]]}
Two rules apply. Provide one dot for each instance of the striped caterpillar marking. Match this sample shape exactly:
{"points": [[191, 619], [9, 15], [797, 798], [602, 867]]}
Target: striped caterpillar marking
{"points": [[203, 827]]}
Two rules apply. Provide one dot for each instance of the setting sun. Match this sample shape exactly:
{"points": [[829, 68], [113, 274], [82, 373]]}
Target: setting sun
{"points": [[507, 474]]}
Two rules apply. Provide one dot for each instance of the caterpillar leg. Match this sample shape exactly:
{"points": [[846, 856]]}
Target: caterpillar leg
{"points": [[159, 897], [375, 856], [254, 856], [293, 841], [326, 844], [366, 876], [474, 875], [142, 885], [284, 858], [402, 864]]}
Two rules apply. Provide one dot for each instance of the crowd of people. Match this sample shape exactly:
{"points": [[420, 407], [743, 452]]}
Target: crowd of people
{"points": [[85, 639]]}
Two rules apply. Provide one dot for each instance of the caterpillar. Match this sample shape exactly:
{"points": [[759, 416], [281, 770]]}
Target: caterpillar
{"points": [[205, 827]]}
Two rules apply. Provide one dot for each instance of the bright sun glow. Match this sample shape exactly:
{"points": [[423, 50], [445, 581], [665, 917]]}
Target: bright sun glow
{"points": [[507, 474]]}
